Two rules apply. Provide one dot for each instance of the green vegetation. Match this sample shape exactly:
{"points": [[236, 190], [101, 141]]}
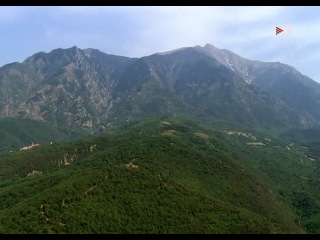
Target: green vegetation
{"points": [[160, 175], [15, 133]]}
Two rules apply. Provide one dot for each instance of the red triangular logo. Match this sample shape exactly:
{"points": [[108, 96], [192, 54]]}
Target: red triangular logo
{"points": [[278, 30]]}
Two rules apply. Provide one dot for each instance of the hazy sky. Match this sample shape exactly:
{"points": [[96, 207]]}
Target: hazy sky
{"points": [[140, 31]]}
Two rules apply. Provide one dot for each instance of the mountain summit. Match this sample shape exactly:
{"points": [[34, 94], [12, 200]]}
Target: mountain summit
{"points": [[281, 80], [89, 89]]}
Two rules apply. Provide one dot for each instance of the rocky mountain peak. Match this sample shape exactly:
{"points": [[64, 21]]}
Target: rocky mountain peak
{"points": [[76, 87]]}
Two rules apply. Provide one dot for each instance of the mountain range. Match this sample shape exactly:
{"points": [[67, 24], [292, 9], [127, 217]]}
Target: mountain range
{"points": [[194, 140], [90, 90]]}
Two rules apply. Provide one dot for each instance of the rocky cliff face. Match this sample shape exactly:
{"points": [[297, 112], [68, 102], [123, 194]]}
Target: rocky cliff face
{"points": [[281, 80], [71, 87], [89, 89]]}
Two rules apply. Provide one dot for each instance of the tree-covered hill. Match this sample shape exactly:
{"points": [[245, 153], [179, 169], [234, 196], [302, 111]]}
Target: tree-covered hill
{"points": [[160, 175]]}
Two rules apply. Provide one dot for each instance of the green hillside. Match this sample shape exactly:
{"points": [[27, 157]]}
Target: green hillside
{"points": [[16, 133], [160, 176]]}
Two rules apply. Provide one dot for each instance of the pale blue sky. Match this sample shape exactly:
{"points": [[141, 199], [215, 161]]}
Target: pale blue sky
{"points": [[141, 31]]}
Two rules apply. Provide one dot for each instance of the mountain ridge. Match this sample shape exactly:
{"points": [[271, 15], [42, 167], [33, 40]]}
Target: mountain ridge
{"points": [[90, 89], [179, 142]]}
